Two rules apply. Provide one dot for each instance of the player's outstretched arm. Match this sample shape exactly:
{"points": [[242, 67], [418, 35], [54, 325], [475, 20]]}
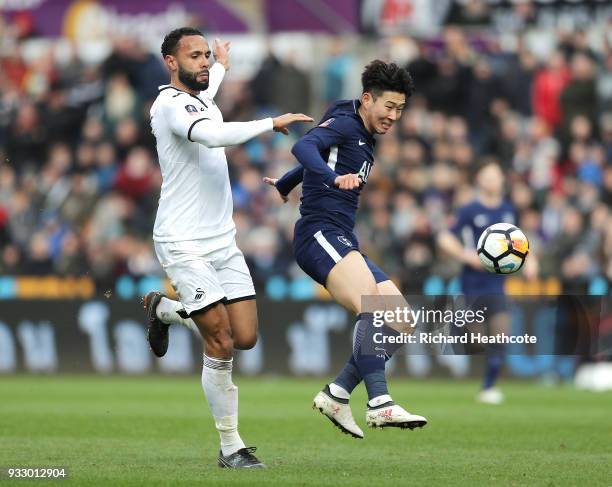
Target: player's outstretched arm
{"points": [[449, 244], [532, 267], [221, 52], [217, 70], [273, 182], [308, 151], [287, 182], [221, 134], [281, 123]]}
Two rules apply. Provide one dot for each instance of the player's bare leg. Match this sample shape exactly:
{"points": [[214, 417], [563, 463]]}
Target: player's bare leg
{"points": [[390, 294], [398, 416], [382, 412], [348, 282], [499, 323], [244, 323], [333, 400], [161, 313], [221, 393]]}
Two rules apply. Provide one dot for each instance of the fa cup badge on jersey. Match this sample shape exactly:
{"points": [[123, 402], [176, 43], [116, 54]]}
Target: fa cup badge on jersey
{"points": [[191, 109]]}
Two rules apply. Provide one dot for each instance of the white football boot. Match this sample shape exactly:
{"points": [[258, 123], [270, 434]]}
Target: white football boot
{"points": [[338, 411], [490, 396], [390, 414]]}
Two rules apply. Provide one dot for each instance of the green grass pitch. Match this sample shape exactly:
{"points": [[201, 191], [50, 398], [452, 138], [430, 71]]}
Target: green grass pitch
{"points": [[158, 431]]}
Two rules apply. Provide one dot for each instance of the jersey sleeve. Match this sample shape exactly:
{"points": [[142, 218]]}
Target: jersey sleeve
{"points": [[461, 220], [187, 122], [515, 213], [307, 150], [215, 76], [290, 180]]}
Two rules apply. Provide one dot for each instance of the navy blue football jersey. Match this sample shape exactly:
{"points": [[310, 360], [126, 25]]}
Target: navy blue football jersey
{"points": [[339, 145], [472, 220]]}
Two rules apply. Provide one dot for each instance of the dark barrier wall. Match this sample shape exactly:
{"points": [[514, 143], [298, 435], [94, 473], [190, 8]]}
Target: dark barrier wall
{"points": [[108, 335], [299, 338]]}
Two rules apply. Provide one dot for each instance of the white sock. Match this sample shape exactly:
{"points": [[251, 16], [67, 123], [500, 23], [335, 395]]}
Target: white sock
{"points": [[378, 400], [167, 311], [222, 397], [339, 392]]}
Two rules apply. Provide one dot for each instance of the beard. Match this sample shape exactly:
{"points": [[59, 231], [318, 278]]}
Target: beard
{"points": [[190, 79]]}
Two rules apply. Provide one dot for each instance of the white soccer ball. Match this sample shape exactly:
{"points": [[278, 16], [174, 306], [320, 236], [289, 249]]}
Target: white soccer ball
{"points": [[503, 248]]}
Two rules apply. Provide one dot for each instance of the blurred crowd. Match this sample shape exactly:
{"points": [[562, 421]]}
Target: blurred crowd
{"points": [[79, 180]]}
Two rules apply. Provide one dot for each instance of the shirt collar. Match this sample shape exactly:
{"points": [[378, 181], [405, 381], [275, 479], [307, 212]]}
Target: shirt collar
{"points": [[356, 105]]}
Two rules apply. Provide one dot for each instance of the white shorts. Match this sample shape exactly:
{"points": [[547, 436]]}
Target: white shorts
{"points": [[202, 277]]}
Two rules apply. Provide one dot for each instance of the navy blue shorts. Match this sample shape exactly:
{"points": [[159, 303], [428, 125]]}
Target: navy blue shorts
{"points": [[318, 246], [485, 290], [494, 303]]}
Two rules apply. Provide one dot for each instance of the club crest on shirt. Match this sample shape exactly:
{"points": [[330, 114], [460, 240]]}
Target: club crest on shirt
{"points": [[191, 109], [327, 122]]}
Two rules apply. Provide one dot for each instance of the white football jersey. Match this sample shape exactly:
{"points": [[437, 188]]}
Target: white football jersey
{"points": [[196, 198]]}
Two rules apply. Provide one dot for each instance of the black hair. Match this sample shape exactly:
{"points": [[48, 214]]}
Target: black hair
{"points": [[380, 76], [484, 162], [171, 40]]}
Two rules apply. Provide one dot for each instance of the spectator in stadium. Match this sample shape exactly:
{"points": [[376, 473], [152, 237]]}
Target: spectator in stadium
{"points": [[579, 97], [548, 84], [336, 72], [68, 136]]}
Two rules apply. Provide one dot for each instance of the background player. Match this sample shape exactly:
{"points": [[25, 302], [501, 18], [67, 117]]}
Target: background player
{"points": [[335, 161], [194, 232], [483, 288]]}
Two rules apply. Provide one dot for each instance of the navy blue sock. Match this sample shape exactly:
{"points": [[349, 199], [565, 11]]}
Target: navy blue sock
{"points": [[349, 377], [495, 360], [370, 356]]}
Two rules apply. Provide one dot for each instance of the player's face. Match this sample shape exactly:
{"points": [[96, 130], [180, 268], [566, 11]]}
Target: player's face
{"points": [[491, 179], [384, 110], [191, 62]]}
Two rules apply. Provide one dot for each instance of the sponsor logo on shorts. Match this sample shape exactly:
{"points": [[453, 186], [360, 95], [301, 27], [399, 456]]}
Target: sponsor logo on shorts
{"points": [[345, 241], [200, 293]]}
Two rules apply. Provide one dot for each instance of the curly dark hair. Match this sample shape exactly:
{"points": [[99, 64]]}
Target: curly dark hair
{"points": [[172, 39], [379, 76]]}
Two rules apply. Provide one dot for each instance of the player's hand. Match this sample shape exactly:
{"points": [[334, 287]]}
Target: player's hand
{"points": [[280, 123], [272, 182], [532, 268], [221, 52], [470, 257], [347, 181]]}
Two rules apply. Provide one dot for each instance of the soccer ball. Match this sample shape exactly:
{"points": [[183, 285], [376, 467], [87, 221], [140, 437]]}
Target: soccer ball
{"points": [[503, 248]]}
